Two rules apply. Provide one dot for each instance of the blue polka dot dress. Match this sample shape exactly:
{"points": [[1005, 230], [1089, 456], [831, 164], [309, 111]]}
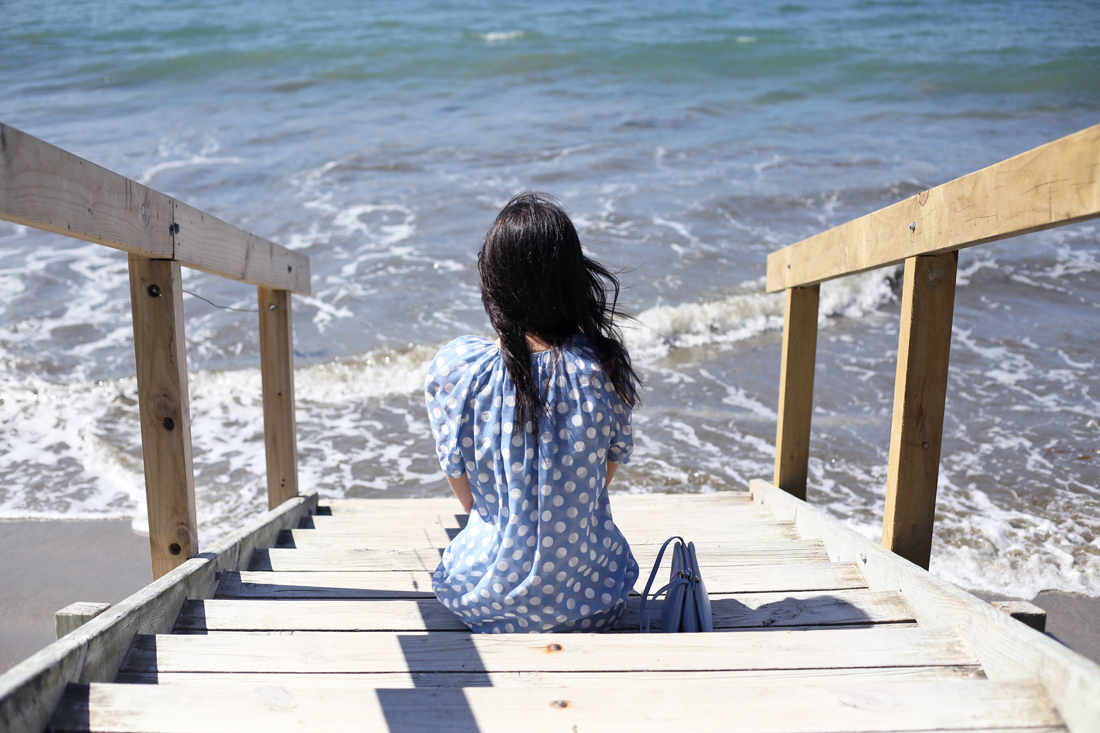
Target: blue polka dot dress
{"points": [[540, 551]]}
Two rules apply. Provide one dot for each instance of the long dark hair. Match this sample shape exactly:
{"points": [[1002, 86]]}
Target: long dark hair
{"points": [[536, 280]]}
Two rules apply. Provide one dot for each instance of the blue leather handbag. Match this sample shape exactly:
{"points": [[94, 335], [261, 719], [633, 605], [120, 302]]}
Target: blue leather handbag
{"points": [[686, 607]]}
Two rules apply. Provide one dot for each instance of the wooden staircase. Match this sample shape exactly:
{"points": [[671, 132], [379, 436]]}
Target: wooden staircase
{"points": [[335, 628]]}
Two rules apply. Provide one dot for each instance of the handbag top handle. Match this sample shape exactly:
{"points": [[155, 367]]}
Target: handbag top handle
{"points": [[649, 583]]}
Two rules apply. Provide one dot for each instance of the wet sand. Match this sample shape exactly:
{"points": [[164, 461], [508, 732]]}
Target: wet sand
{"points": [[45, 566]]}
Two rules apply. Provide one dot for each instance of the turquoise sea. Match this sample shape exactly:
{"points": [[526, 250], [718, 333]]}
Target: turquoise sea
{"points": [[687, 140]]}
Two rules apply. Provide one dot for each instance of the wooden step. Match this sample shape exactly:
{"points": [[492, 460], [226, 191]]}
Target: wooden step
{"points": [[646, 530], [448, 504], [243, 707], [548, 680], [418, 584], [327, 652], [762, 610], [711, 555]]}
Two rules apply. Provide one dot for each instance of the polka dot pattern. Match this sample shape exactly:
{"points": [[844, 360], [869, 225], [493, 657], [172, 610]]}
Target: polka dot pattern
{"points": [[541, 551]]}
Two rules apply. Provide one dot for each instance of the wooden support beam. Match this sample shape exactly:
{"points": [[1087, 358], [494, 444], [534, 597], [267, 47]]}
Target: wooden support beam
{"points": [[796, 390], [72, 617], [920, 392], [277, 371], [156, 298], [1025, 612], [1051, 185]]}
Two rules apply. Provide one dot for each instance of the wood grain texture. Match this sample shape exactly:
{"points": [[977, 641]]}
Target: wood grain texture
{"points": [[347, 532], [156, 299], [796, 390], [549, 680], [72, 617], [205, 242], [277, 375], [820, 707], [351, 585], [1052, 185], [920, 396], [45, 187], [362, 652], [740, 611], [755, 552], [619, 501], [48, 188], [30, 690], [1007, 648]]}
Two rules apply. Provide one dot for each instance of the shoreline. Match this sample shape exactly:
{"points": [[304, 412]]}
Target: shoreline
{"points": [[49, 564]]}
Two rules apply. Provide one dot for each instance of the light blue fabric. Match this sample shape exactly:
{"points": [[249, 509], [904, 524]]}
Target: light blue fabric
{"points": [[541, 551]]}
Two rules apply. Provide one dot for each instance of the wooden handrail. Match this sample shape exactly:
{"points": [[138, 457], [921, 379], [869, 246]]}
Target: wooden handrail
{"points": [[45, 187], [1052, 185]]}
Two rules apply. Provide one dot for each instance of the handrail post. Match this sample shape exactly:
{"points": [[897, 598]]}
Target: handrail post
{"points": [[156, 299], [920, 394], [277, 372], [796, 389]]}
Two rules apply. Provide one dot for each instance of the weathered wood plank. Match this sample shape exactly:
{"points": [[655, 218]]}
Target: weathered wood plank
{"points": [[1054, 184], [754, 677], [1024, 612], [30, 690], [205, 242], [817, 708], [277, 375], [920, 394], [796, 390], [45, 187], [373, 560], [327, 652], [741, 611], [72, 617], [776, 610], [357, 534], [711, 555], [352, 585], [156, 298], [1008, 650], [449, 505]]}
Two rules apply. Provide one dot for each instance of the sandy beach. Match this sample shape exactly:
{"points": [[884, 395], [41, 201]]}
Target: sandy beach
{"points": [[48, 565]]}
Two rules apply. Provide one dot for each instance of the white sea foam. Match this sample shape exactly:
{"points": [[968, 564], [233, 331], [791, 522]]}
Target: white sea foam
{"points": [[747, 313], [84, 436], [195, 160], [500, 36]]}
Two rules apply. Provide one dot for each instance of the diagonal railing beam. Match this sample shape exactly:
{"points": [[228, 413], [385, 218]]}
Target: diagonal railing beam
{"points": [[1052, 185]]}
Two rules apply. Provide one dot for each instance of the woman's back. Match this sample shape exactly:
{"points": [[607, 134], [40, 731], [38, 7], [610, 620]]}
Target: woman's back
{"points": [[541, 551]]}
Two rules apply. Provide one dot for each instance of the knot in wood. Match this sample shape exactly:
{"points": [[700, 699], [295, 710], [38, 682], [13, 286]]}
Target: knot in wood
{"points": [[554, 647], [935, 274], [922, 198], [560, 704]]}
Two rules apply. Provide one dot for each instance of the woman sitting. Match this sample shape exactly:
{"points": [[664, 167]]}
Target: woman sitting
{"points": [[529, 431]]}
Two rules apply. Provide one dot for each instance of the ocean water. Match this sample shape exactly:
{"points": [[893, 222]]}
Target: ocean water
{"points": [[686, 142]]}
